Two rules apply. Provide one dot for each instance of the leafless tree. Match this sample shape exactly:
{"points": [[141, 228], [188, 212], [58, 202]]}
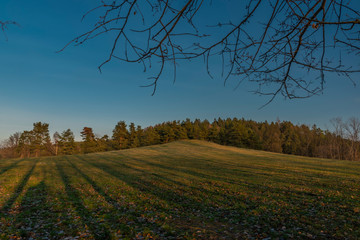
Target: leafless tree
{"points": [[56, 138], [10, 145], [337, 144], [353, 134], [286, 47]]}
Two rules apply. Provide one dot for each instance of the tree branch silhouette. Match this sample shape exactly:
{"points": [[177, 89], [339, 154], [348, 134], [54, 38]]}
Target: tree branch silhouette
{"points": [[285, 47]]}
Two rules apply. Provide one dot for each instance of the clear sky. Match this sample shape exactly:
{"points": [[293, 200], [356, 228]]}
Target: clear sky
{"points": [[66, 89]]}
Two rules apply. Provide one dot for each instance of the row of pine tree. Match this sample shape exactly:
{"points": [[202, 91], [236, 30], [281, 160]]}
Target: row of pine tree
{"points": [[281, 137]]}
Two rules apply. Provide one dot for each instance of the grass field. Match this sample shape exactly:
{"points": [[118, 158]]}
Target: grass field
{"points": [[186, 189]]}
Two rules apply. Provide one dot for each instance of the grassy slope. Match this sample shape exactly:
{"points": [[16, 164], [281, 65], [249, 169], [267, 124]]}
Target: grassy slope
{"points": [[187, 189]]}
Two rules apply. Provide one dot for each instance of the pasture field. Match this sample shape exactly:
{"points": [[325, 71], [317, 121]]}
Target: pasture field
{"points": [[180, 190]]}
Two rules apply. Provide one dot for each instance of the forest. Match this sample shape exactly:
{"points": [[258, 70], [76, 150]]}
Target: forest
{"points": [[342, 143]]}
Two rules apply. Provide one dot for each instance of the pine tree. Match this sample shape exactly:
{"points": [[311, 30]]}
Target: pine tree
{"points": [[165, 132], [272, 138], [150, 136], [103, 143], [120, 136], [25, 144], [66, 142], [140, 135], [214, 131], [41, 138], [179, 131], [289, 138], [89, 142], [133, 137]]}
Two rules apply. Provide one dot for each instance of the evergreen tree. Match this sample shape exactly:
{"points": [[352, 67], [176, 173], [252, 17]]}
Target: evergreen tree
{"points": [[188, 126], [196, 130], [150, 136], [133, 137], [41, 138], [289, 137], [140, 135], [165, 132], [89, 143], [25, 147], [214, 131], [272, 138], [120, 136], [204, 129], [103, 144], [66, 142], [234, 133], [179, 131]]}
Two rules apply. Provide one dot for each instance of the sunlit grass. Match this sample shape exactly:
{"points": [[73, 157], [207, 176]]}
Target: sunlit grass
{"points": [[187, 189]]}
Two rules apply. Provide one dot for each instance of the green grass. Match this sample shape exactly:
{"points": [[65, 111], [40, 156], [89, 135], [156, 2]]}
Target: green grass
{"points": [[186, 189]]}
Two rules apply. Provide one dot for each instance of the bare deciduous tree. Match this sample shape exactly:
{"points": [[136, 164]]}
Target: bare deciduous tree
{"points": [[353, 134], [287, 47], [10, 145]]}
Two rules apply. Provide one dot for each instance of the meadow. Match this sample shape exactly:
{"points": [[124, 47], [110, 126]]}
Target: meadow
{"points": [[185, 189]]}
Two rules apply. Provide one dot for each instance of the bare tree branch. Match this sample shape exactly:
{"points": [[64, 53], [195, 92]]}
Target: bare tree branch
{"points": [[4, 26], [294, 48]]}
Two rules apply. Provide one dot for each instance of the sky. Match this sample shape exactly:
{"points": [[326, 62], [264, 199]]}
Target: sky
{"points": [[66, 89]]}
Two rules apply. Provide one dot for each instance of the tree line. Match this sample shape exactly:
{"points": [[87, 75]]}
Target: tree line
{"points": [[282, 137]]}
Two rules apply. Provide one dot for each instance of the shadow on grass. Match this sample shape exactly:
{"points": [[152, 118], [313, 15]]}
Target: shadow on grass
{"points": [[5, 169], [270, 211], [213, 172], [96, 187], [247, 185], [179, 201], [98, 231], [264, 211], [168, 171], [18, 190], [196, 174], [228, 201], [252, 177], [36, 219], [176, 171], [121, 209]]}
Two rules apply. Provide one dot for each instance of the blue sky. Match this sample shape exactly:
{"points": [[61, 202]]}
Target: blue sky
{"points": [[66, 89]]}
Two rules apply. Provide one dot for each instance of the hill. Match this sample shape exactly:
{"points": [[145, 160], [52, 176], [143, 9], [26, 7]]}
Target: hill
{"points": [[185, 189]]}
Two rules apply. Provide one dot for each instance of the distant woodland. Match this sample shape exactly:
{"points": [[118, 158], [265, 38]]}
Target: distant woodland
{"points": [[342, 143]]}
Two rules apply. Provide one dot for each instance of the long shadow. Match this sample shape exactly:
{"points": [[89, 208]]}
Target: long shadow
{"points": [[186, 206], [117, 207], [186, 210], [96, 187], [124, 165], [18, 190], [98, 231], [166, 168], [10, 166], [192, 211], [243, 183], [172, 170], [251, 187], [36, 214], [163, 170], [130, 179], [189, 206], [249, 173], [190, 172], [250, 169]]}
